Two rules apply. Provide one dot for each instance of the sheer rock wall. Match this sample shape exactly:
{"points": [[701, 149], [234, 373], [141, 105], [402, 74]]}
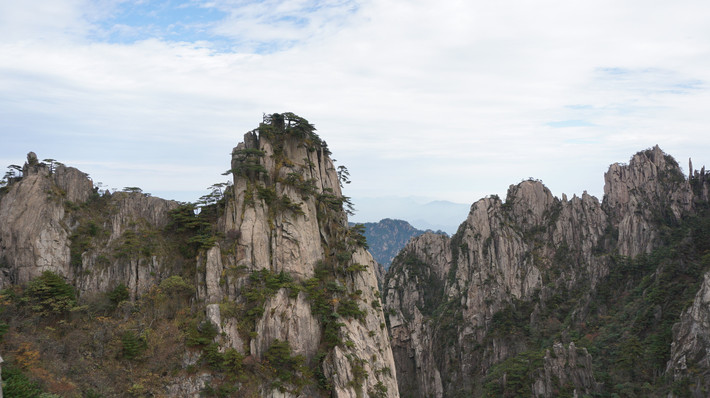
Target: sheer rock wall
{"points": [[442, 294], [43, 212]]}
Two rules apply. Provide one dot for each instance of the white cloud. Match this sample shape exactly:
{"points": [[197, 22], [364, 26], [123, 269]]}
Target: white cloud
{"points": [[452, 101]]}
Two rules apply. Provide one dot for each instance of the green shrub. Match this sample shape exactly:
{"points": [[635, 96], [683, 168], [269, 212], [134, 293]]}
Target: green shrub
{"points": [[118, 294], [201, 334], [3, 329], [17, 385], [379, 391], [349, 308], [286, 367], [357, 235], [49, 294], [176, 286], [233, 362], [133, 345], [213, 357], [513, 377], [194, 231]]}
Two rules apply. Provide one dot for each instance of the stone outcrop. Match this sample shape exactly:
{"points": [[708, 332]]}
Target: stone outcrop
{"points": [[288, 293], [690, 355], [448, 300], [285, 216], [33, 235], [52, 219], [649, 189], [130, 249], [278, 273], [565, 368], [275, 264]]}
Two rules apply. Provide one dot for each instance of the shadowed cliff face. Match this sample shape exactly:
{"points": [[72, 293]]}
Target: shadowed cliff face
{"points": [[522, 273]]}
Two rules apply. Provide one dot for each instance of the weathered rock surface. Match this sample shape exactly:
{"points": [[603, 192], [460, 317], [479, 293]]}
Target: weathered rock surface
{"points": [[284, 214], [49, 210], [286, 241], [566, 368], [276, 262], [447, 299], [288, 319], [33, 236], [280, 264], [75, 185], [650, 188], [130, 250], [690, 350], [190, 387]]}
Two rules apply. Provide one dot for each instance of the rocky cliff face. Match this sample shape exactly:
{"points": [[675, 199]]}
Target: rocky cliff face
{"points": [[689, 360], [464, 312], [53, 219], [285, 214], [689, 363], [564, 367], [266, 292], [651, 188]]}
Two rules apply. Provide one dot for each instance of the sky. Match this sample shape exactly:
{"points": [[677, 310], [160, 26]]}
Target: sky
{"points": [[438, 101]]}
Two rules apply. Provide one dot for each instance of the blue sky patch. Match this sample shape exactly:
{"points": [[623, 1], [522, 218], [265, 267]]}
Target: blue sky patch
{"points": [[222, 24], [168, 20]]}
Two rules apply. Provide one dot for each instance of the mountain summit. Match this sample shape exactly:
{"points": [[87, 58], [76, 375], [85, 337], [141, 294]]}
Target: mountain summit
{"points": [[265, 291], [545, 296]]}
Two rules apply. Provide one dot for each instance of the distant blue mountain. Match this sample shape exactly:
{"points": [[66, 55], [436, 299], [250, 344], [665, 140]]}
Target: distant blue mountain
{"points": [[387, 237], [421, 213]]}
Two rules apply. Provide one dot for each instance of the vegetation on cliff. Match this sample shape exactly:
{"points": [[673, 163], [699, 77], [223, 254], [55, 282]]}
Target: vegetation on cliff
{"points": [[625, 322], [158, 298], [612, 279]]}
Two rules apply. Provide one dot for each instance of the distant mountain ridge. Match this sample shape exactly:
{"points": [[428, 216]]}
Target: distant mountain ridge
{"points": [[387, 237], [421, 213]]}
